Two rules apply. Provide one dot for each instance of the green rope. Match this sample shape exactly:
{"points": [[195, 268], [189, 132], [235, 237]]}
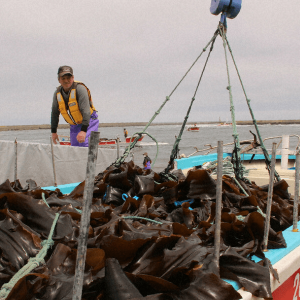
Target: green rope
{"points": [[242, 218], [174, 151], [32, 263], [119, 161], [260, 211], [227, 167], [44, 199], [236, 157], [266, 154], [240, 187], [145, 219]]}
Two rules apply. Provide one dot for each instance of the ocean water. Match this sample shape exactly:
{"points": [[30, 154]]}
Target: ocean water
{"points": [[165, 137]]}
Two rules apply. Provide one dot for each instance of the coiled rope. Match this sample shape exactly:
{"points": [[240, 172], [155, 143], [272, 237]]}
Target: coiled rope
{"points": [[228, 169]]}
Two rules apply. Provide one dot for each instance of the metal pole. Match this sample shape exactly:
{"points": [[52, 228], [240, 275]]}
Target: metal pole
{"points": [[269, 201], [296, 196], [118, 147], [285, 152], [86, 214], [16, 161], [53, 163], [218, 203]]}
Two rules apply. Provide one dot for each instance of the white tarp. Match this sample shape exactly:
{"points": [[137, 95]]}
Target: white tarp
{"points": [[34, 161]]}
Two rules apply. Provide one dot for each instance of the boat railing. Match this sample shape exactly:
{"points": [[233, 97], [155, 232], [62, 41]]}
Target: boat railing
{"points": [[280, 137], [209, 148]]}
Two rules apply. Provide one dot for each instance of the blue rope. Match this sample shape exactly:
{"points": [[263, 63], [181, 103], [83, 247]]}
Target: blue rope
{"points": [[125, 196], [178, 203]]}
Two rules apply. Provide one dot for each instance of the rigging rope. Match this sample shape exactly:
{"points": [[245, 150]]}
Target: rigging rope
{"points": [[237, 148], [120, 160], [142, 218], [266, 154], [127, 150], [175, 150]]}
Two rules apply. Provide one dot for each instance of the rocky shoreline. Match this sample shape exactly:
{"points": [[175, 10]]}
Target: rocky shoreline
{"points": [[128, 124]]}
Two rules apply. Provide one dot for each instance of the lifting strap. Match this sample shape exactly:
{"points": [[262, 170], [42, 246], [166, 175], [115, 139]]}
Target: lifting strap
{"points": [[175, 150], [236, 157]]}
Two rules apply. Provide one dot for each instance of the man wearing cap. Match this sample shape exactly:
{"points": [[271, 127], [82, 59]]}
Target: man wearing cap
{"points": [[147, 161], [73, 100]]}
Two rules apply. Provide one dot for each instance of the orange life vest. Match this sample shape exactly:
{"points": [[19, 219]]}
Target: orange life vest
{"points": [[72, 115]]}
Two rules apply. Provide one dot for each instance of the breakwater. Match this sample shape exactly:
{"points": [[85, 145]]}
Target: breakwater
{"points": [[128, 124]]}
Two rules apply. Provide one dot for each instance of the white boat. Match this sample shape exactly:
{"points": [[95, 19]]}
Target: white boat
{"points": [[286, 261]]}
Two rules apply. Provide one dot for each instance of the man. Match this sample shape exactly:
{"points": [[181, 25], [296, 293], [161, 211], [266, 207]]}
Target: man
{"points": [[147, 161], [73, 100], [125, 133]]}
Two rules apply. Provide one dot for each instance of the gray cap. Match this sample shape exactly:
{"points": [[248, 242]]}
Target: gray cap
{"points": [[63, 70]]}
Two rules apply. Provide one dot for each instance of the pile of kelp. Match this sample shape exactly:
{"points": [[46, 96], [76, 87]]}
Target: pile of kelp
{"points": [[148, 238]]}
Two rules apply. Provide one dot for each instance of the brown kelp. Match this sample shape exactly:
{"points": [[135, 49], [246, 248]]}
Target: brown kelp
{"points": [[148, 238]]}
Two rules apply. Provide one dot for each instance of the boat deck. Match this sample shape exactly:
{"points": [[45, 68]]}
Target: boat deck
{"points": [[261, 177]]}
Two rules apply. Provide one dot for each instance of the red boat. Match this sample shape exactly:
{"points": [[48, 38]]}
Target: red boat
{"points": [[194, 128], [65, 140], [130, 139]]}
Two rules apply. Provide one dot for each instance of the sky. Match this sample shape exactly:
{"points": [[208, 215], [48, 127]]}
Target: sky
{"points": [[132, 54]]}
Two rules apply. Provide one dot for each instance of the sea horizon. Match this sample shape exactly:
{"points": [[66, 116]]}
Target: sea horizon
{"points": [[128, 124]]}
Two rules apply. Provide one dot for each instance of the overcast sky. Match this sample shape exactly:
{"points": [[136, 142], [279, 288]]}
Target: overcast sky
{"points": [[131, 54]]}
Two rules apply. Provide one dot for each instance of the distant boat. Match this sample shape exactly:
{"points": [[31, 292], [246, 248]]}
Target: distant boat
{"points": [[194, 128], [224, 123]]}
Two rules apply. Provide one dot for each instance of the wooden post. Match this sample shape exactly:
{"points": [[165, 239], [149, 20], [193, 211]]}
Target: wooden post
{"points": [[85, 216], [296, 194], [218, 203], [118, 147], [53, 163], [269, 203], [16, 161]]}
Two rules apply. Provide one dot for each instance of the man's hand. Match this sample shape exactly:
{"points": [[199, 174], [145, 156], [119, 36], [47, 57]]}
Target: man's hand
{"points": [[81, 136], [55, 138]]}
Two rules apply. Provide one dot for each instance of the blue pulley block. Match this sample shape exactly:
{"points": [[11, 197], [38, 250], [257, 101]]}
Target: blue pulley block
{"points": [[230, 7]]}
